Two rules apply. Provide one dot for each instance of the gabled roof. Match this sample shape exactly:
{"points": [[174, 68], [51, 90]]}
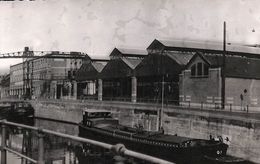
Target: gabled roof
{"points": [[98, 66], [122, 63], [130, 53], [171, 63], [119, 68], [205, 47], [180, 57], [236, 66], [197, 54], [89, 71], [132, 63]]}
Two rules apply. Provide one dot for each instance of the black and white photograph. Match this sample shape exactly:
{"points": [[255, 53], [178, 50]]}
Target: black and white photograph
{"points": [[129, 81]]}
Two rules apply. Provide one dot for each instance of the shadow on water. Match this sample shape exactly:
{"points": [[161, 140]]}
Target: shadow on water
{"points": [[59, 150]]}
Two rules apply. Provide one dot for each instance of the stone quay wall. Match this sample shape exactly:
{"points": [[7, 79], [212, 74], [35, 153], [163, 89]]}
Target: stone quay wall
{"points": [[243, 133]]}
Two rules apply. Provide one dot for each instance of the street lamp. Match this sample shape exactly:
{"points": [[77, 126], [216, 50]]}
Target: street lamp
{"points": [[223, 68]]}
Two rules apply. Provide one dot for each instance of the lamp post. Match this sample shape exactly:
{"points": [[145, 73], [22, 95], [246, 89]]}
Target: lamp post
{"points": [[223, 86]]}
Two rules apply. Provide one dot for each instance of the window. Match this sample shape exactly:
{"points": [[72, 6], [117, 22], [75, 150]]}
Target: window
{"points": [[193, 70], [206, 70], [199, 70]]}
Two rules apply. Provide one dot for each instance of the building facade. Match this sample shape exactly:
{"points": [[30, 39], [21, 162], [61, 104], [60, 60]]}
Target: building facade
{"points": [[201, 82], [5, 87], [17, 81], [117, 80], [158, 73], [87, 78], [44, 77]]}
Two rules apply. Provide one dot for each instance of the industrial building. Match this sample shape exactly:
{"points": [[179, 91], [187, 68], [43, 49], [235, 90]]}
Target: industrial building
{"points": [[87, 78], [116, 80], [181, 73], [45, 76], [201, 81]]}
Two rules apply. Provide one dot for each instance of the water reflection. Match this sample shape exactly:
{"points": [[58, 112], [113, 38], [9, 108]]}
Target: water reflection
{"points": [[59, 150]]}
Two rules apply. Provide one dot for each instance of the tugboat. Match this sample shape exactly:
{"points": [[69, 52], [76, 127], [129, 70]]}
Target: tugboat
{"points": [[100, 125]]}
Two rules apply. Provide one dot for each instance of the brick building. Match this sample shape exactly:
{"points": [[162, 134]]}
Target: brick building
{"points": [[201, 81], [44, 77], [5, 86], [16, 80]]}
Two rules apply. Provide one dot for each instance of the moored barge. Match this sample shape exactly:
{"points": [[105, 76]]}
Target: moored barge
{"points": [[99, 125]]}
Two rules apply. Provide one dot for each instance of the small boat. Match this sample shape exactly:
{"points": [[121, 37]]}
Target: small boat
{"points": [[101, 126], [21, 113]]}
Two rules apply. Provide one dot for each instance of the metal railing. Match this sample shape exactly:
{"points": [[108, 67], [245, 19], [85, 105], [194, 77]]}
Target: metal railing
{"points": [[118, 149], [167, 102]]}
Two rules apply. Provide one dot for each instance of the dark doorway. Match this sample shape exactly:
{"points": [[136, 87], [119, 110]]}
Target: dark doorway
{"points": [[58, 93]]}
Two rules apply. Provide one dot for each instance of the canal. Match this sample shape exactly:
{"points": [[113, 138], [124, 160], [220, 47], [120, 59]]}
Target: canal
{"points": [[58, 150]]}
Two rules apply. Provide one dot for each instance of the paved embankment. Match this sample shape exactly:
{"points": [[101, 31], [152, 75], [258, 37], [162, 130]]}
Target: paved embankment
{"points": [[242, 129]]}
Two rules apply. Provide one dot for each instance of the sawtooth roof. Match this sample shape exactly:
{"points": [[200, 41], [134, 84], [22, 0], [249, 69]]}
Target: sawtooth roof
{"points": [[120, 68], [206, 46], [180, 57], [131, 53], [89, 71]]}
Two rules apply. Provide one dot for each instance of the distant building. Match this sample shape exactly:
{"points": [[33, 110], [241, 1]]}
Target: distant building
{"points": [[1, 77], [16, 81], [117, 80], [5, 86], [200, 82], [87, 78], [159, 72], [43, 77]]}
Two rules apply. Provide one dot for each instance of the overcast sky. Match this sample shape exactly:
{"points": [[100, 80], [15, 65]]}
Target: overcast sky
{"points": [[97, 26]]}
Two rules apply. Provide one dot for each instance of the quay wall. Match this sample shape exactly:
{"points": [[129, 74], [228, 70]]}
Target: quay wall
{"points": [[243, 133]]}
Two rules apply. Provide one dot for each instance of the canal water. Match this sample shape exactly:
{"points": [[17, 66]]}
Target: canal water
{"points": [[58, 150]]}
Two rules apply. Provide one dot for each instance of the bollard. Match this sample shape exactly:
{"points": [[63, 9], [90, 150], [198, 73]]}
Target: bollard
{"points": [[3, 150], [40, 146]]}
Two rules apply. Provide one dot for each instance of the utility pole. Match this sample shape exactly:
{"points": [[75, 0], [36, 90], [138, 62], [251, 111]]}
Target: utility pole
{"points": [[223, 72]]}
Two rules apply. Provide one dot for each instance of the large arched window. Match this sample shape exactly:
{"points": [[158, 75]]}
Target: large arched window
{"points": [[199, 70]]}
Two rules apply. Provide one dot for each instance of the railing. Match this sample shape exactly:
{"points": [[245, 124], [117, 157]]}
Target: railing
{"points": [[118, 149], [167, 102], [125, 99]]}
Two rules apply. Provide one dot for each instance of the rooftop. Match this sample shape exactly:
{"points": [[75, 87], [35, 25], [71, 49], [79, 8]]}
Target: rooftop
{"points": [[129, 53], [206, 46], [236, 66]]}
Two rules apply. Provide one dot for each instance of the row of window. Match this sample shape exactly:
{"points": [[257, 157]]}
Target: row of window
{"points": [[199, 70]]}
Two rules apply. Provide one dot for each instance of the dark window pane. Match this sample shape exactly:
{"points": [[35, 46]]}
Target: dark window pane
{"points": [[199, 69], [69, 74], [206, 70], [193, 70]]}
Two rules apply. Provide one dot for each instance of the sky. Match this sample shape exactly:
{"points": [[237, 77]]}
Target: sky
{"points": [[97, 26]]}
